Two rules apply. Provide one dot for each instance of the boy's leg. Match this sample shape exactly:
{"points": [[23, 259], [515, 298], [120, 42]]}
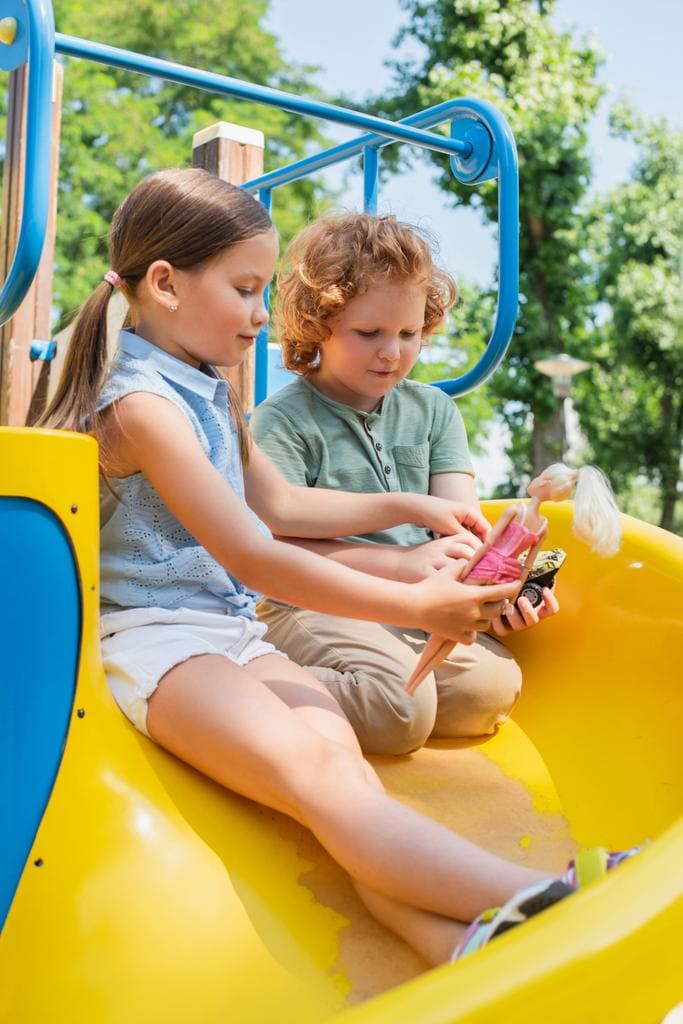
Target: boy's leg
{"points": [[365, 666], [477, 687]]}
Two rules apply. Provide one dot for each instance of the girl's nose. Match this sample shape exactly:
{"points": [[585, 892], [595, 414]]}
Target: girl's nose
{"points": [[261, 315]]}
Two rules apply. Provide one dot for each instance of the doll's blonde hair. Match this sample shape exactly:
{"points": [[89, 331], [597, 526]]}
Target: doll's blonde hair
{"points": [[596, 516], [338, 257]]}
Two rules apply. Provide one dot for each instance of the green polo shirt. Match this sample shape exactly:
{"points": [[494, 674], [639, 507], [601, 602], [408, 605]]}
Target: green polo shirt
{"points": [[415, 431]]}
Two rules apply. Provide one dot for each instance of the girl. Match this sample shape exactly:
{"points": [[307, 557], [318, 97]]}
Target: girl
{"points": [[185, 548], [356, 298]]}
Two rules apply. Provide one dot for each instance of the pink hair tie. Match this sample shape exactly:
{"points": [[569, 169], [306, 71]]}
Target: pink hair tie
{"points": [[112, 278]]}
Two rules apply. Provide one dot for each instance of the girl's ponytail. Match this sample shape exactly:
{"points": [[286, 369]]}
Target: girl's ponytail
{"points": [[74, 403]]}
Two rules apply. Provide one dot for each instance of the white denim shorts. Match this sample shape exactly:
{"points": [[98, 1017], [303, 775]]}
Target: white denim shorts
{"points": [[140, 645]]}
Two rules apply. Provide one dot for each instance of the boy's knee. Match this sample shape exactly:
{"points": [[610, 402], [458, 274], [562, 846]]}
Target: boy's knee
{"points": [[477, 700], [397, 723]]}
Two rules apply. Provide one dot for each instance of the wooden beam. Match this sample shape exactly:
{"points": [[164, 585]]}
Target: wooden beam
{"points": [[234, 154], [23, 383]]}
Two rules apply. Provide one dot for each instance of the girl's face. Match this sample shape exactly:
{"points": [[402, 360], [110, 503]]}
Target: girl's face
{"points": [[374, 344], [220, 307]]}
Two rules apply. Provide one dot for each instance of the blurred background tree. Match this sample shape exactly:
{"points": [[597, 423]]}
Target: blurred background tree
{"points": [[118, 126], [546, 85], [631, 404]]}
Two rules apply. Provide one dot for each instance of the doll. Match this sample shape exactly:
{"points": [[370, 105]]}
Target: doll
{"points": [[521, 528]]}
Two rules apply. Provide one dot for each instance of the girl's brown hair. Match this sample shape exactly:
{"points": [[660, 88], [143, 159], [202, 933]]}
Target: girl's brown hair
{"points": [[185, 216], [339, 257]]}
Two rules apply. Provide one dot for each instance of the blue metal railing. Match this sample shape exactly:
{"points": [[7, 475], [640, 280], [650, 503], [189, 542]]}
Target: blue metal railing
{"points": [[480, 147]]}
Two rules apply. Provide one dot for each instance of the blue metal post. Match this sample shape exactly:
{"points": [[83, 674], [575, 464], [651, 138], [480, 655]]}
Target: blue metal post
{"points": [[261, 361], [370, 177]]}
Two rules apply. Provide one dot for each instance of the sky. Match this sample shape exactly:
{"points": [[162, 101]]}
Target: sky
{"points": [[351, 42]]}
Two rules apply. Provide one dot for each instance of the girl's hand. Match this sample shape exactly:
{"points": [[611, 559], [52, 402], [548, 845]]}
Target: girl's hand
{"points": [[445, 517], [518, 619], [422, 560], [458, 610]]}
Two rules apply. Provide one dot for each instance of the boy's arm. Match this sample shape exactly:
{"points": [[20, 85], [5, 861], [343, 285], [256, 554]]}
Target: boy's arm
{"points": [[391, 561]]}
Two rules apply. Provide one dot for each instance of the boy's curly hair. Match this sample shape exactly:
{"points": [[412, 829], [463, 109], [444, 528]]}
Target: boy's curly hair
{"points": [[339, 257]]}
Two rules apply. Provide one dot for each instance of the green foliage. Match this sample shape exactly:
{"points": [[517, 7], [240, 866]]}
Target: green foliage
{"points": [[632, 408], [118, 126], [455, 349], [545, 84]]}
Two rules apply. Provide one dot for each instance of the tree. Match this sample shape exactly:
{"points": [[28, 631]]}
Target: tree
{"points": [[546, 86], [632, 412], [455, 350], [118, 126]]}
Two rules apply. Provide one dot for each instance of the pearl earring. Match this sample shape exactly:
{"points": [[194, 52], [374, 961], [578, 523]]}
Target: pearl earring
{"points": [[173, 307]]}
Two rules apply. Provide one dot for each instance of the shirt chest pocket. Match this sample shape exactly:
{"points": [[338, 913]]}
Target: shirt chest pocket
{"points": [[412, 466]]}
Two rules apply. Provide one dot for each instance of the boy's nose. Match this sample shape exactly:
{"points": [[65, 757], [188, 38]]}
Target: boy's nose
{"points": [[390, 349]]}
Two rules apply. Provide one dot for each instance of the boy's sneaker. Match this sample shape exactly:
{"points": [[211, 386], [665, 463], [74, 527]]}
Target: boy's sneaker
{"points": [[587, 866]]}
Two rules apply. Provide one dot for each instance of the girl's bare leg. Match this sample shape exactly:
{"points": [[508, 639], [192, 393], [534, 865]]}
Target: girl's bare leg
{"points": [[230, 724], [434, 937]]}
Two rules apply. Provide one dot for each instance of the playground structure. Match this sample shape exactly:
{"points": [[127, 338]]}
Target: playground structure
{"points": [[132, 889]]}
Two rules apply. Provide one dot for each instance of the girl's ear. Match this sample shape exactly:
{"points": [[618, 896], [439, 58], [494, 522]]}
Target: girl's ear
{"points": [[161, 283]]}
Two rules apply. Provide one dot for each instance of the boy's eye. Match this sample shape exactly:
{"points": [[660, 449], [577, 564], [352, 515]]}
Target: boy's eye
{"points": [[368, 334], [409, 334], [245, 291]]}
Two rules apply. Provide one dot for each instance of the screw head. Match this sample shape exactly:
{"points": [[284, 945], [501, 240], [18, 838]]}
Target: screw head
{"points": [[74, 509]]}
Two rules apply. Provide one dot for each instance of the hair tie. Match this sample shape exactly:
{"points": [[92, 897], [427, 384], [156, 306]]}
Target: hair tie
{"points": [[112, 278]]}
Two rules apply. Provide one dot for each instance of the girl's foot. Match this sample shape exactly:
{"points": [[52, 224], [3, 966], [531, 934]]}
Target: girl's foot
{"points": [[588, 866], [519, 908]]}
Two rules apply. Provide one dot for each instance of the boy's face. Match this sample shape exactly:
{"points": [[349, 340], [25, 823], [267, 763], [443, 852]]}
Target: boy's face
{"points": [[374, 344]]}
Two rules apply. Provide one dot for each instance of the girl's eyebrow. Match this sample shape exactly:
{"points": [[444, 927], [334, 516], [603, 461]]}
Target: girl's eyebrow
{"points": [[251, 275]]}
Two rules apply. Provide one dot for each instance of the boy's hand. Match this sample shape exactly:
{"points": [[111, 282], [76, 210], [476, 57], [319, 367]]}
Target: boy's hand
{"points": [[421, 560], [445, 517], [517, 619]]}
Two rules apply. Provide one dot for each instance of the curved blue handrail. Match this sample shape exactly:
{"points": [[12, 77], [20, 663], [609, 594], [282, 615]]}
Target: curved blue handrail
{"points": [[41, 32], [481, 146], [502, 164]]}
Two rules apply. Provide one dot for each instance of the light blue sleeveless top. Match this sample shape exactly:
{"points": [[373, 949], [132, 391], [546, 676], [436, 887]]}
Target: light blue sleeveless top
{"points": [[148, 559]]}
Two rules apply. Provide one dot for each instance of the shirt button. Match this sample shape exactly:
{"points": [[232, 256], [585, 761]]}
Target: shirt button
{"points": [[387, 470], [367, 426], [379, 446]]}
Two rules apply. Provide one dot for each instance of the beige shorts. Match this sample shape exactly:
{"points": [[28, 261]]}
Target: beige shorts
{"points": [[140, 645]]}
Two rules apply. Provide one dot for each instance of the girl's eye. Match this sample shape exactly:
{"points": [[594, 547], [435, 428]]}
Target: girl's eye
{"points": [[245, 291], [409, 334], [368, 334]]}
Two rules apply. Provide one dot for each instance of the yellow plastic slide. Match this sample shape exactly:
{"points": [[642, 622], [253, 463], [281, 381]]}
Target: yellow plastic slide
{"points": [[148, 894]]}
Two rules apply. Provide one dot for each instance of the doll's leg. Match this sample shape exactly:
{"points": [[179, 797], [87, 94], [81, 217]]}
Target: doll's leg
{"points": [[364, 666], [231, 726]]}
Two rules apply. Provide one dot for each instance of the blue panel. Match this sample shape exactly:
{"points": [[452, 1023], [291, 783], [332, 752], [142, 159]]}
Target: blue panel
{"points": [[40, 629]]}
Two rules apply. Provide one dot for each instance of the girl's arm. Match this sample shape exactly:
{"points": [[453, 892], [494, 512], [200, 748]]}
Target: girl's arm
{"points": [[455, 487], [314, 512], [151, 436]]}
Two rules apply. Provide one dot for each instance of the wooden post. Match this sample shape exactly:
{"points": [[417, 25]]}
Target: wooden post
{"points": [[234, 154], [23, 384]]}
